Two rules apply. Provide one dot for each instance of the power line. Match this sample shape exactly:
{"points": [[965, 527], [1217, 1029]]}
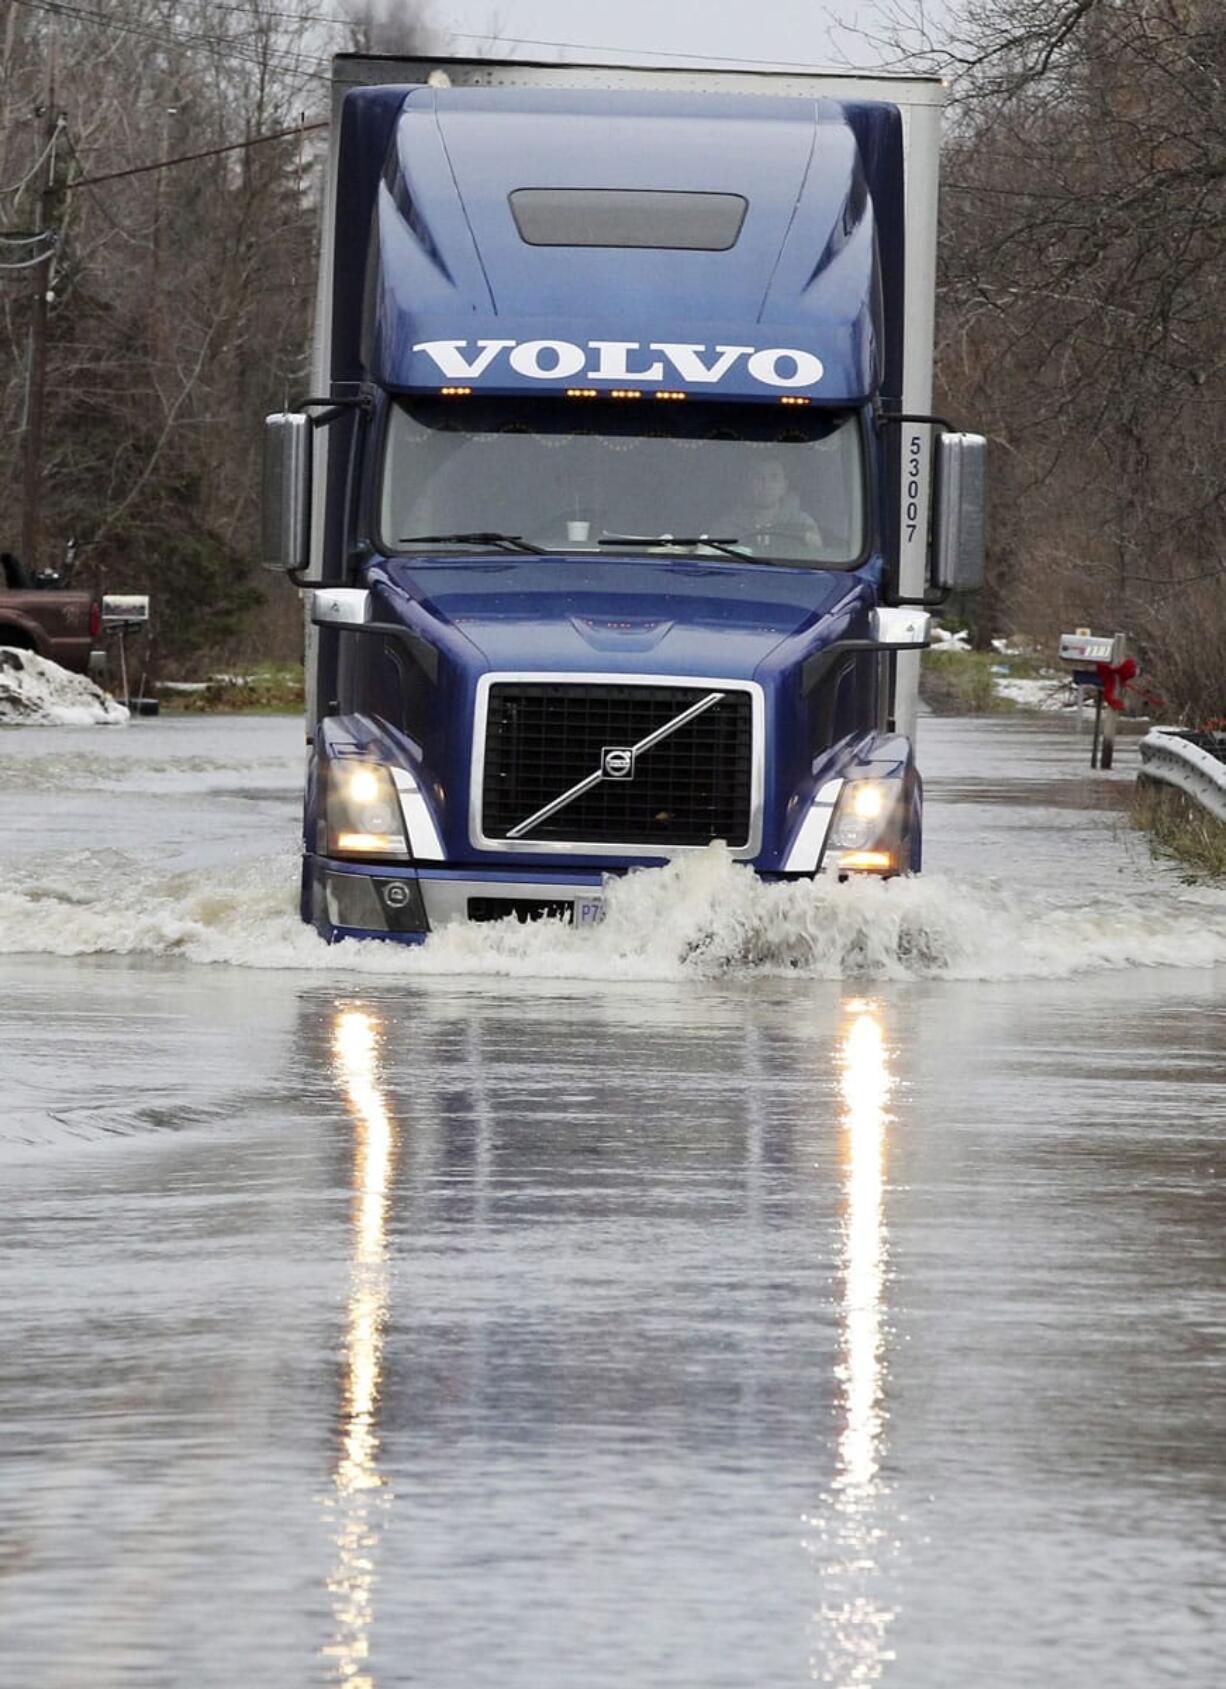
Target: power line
{"points": [[289, 61], [30, 173], [29, 263], [250, 11], [100, 204], [642, 52], [562, 46], [191, 157], [348, 21], [99, 20], [292, 59]]}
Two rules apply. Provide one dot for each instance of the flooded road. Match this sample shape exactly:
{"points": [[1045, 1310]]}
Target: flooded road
{"points": [[776, 1286]]}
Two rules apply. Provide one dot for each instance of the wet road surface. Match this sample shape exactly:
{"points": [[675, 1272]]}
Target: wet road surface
{"points": [[744, 1310]]}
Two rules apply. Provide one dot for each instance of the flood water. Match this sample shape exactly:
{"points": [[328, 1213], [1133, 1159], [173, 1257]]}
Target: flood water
{"points": [[774, 1286]]}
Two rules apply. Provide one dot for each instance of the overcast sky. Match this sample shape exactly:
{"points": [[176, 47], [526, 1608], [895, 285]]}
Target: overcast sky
{"points": [[814, 32]]}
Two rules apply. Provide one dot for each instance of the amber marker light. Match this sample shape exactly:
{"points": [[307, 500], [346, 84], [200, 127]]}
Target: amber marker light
{"points": [[369, 842], [455, 392], [581, 393], [794, 399], [866, 861], [626, 393], [667, 395]]}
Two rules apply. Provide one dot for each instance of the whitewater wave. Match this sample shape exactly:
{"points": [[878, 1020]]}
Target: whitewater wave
{"points": [[93, 769], [701, 917]]}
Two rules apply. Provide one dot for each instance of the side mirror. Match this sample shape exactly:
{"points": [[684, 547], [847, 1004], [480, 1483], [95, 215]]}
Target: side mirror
{"points": [[340, 607], [286, 514], [958, 517], [906, 627]]}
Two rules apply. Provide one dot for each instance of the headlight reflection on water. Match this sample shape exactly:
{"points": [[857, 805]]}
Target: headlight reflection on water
{"points": [[854, 1619], [865, 1088], [358, 1487]]}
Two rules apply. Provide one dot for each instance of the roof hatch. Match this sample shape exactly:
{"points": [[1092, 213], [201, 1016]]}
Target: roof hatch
{"points": [[628, 217]]}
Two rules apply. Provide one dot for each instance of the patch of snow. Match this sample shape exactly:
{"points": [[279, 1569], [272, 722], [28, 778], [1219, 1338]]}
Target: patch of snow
{"points": [[36, 692], [1017, 645], [1043, 692]]}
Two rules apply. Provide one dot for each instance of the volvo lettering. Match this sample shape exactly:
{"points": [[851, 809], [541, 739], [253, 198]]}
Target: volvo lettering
{"points": [[610, 361]]}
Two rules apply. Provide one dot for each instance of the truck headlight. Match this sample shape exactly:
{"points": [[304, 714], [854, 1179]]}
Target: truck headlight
{"points": [[363, 812], [866, 829]]}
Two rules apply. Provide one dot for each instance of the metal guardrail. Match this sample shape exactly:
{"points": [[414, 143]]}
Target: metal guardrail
{"points": [[1194, 762]]}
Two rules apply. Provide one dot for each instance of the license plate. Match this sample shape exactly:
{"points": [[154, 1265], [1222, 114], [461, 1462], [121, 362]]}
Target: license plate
{"points": [[589, 911]]}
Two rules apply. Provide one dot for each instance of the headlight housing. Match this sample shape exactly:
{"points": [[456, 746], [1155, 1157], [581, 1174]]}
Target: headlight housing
{"points": [[866, 833], [362, 812]]}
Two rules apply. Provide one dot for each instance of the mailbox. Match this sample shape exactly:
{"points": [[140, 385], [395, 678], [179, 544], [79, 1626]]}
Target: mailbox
{"points": [[125, 610], [1082, 649]]}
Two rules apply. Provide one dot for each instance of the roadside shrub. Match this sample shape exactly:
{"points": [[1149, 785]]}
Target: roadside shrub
{"points": [[959, 683], [1179, 827]]}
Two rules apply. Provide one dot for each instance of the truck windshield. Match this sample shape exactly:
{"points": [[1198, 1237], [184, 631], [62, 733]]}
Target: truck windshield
{"points": [[782, 485]]}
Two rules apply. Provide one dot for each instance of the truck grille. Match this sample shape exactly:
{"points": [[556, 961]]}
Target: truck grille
{"points": [[693, 786]]}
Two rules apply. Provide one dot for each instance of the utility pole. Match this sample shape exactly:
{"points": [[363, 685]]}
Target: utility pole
{"points": [[155, 254], [32, 488]]}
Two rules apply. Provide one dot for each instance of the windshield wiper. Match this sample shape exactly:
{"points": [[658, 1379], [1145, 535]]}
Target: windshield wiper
{"points": [[505, 542], [727, 543]]}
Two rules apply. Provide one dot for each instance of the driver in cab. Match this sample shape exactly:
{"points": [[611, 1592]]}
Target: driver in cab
{"points": [[771, 517]]}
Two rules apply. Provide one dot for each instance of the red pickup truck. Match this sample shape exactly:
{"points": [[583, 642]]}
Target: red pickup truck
{"points": [[44, 614], [65, 626]]}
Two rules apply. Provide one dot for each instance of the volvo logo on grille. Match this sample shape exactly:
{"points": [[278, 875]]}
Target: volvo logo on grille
{"points": [[617, 763]]}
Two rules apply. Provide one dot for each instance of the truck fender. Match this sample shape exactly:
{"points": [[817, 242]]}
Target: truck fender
{"points": [[916, 826], [15, 630]]}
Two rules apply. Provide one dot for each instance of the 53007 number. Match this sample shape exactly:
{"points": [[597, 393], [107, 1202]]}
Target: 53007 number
{"points": [[911, 500]]}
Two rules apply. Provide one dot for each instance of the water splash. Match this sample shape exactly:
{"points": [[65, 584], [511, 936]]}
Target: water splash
{"points": [[701, 917]]}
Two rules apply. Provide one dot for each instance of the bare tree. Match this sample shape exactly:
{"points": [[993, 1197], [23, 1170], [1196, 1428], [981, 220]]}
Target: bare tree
{"points": [[182, 283], [1083, 258]]}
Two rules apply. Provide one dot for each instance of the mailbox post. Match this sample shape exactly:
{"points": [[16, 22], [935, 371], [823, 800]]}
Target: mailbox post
{"points": [[124, 613], [1098, 660]]}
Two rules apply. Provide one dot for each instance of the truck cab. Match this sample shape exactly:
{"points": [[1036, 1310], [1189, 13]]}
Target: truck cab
{"points": [[617, 503]]}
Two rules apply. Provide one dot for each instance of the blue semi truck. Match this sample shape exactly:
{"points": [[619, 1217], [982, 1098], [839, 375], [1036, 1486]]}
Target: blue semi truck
{"points": [[616, 502]]}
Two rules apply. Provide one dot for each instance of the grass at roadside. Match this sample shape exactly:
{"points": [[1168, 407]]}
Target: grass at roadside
{"points": [[960, 683], [275, 690], [1179, 827]]}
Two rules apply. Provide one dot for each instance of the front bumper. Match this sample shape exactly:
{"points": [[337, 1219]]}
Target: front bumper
{"points": [[405, 905]]}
